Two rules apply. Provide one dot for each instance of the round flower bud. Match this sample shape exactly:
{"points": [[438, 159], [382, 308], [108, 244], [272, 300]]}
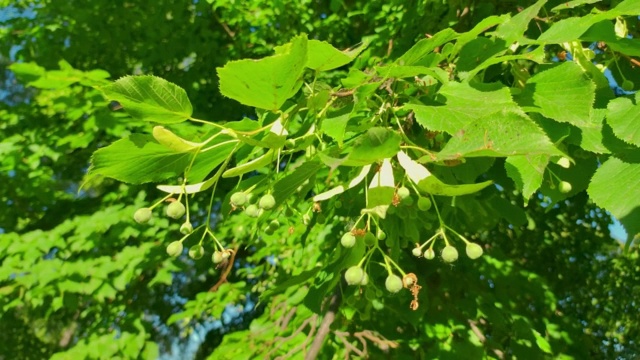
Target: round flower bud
{"points": [[186, 228], [306, 219], [217, 257], [403, 192], [267, 202], [238, 199], [354, 275], [175, 210], [449, 254], [196, 252], [393, 283], [174, 249], [252, 211], [226, 254], [473, 250], [370, 239], [416, 252], [564, 187], [381, 235], [627, 85], [142, 215], [274, 225], [424, 203], [365, 279], [348, 240], [429, 254]]}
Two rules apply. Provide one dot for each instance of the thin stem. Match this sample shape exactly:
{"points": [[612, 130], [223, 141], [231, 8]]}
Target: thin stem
{"points": [[160, 201], [219, 144]]}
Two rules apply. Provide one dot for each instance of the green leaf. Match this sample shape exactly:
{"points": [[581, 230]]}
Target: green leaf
{"points": [[257, 163], [291, 281], [150, 98], [288, 185], [266, 83], [330, 276], [568, 29], [573, 28], [323, 56], [400, 71], [614, 186], [504, 134], [335, 123], [140, 158], [573, 4], [464, 104], [377, 144], [424, 47], [563, 93], [527, 172], [623, 115], [477, 51], [431, 185], [172, 141], [514, 28]]}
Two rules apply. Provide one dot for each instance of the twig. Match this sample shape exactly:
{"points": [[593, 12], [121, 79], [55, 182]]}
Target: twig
{"points": [[227, 270], [325, 326], [342, 335], [224, 25]]}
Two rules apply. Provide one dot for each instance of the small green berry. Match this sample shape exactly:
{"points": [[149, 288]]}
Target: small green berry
{"points": [[238, 199], [267, 202], [252, 211], [365, 279], [449, 254], [424, 203], [403, 193], [274, 225], [589, 54], [429, 254], [354, 275], [348, 240], [564, 187], [142, 215], [217, 257], [186, 228], [196, 252], [473, 250], [416, 252], [269, 231], [393, 283], [174, 249], [337, 204], [370, 239], [175, 210], [381, 235], [288, 212], [627, 85]]}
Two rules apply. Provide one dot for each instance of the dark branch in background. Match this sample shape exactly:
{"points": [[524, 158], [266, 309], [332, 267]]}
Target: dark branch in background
{"points": [[224, 25], [325, 325]]}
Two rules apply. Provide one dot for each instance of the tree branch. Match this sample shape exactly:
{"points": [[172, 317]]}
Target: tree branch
{"points": [[325, 326]]}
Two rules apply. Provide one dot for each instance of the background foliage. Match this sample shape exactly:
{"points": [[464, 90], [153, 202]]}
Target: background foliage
{"points": [[81, 279]]}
